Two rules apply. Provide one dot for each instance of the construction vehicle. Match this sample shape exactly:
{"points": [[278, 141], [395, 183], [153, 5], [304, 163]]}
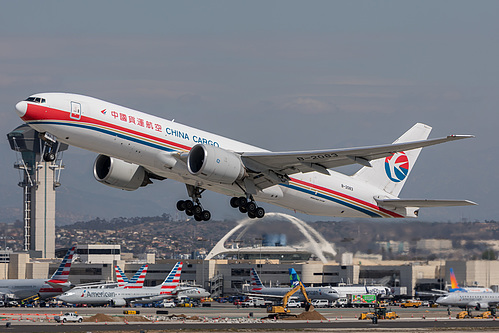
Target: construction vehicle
{"points": [[379, 313], [280, 311]]}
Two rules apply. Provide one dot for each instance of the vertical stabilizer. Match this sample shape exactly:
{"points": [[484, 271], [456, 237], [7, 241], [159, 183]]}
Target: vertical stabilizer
{"points": [[294, 279], [62, 273], [255, 280], [121, 278], [390, 173], [172, 280], [137, 281]]}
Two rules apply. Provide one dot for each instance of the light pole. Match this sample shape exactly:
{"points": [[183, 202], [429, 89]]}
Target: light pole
{"points": [[201, 239], [261, 244]]}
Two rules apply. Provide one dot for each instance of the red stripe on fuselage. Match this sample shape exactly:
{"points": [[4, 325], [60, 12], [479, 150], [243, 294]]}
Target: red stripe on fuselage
{"points": [[346, 196], [38, 112]]}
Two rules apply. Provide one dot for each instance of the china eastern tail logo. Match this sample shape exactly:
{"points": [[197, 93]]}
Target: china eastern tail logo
{"points": [[397, 167]]}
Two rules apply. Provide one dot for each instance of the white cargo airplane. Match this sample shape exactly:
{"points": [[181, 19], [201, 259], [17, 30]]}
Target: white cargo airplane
{"points": [[135, 147]]}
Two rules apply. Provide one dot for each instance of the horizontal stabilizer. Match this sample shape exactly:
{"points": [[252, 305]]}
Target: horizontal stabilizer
{"points": [[422, 203]]}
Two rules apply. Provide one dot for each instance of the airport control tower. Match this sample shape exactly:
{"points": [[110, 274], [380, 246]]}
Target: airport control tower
{"points": [[39, 179]]}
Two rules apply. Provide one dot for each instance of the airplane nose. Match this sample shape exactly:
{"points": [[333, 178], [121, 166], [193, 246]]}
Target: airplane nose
{"points": [[21, 108]]}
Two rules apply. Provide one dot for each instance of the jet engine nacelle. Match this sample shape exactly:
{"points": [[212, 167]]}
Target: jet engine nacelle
{"points": [[215, 164], [118, 302], [120, 174]]}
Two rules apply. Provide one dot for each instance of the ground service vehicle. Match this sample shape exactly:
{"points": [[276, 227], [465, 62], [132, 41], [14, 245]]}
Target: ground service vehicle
{"points": [[379, 313], [411, 304], [253, 302], [68, 316]]}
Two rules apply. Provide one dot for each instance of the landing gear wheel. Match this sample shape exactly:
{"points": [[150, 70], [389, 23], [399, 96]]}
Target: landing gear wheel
{"points": [[259, 212], [234, 202], [181, 205], [189, 212], [197, 210], [243, 209], [243, 202], [198, 218], [251, 206], [251, 215], [49, 156], [189, 204], [206, 215]]}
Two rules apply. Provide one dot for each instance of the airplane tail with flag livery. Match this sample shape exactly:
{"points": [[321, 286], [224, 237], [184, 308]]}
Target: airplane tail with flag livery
{"points": [[256, 283], [137, 281], [172, 280], [61, 275]]}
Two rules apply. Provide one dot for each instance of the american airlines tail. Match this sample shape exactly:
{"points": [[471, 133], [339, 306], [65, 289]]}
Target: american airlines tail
{"points": [[61, 275], [390, 173], [120, 276], [256, 283], [172, 280], [137, 281]]}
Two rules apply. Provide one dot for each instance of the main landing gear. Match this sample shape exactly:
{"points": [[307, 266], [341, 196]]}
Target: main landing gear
{"points": [[193, 207], [250, 207]]}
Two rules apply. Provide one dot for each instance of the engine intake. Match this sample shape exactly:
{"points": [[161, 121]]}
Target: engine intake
{"points": [[215, 164], [120, 174]]}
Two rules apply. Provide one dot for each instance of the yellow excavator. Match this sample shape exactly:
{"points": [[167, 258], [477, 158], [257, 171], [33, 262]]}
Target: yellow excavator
{"points": [[279, 311]]}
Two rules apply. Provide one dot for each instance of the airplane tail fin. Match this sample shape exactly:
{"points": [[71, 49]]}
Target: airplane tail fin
{"points": [[120, 276], [293, 277], [137, 281], [453, 280], [390, 173], [61, 275], [173, 279], [255, 279]]}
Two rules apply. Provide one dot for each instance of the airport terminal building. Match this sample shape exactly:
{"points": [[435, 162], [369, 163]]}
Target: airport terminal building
{"points": [[222, 277]]}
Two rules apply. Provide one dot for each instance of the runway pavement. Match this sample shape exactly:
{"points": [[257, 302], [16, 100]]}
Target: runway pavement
{"points": [[224, 317]]}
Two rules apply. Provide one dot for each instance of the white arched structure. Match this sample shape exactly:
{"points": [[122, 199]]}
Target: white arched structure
{"points": [[315, 243]]}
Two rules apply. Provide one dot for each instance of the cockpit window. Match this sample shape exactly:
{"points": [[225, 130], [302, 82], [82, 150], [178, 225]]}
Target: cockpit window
{"points": [[35, 99]]}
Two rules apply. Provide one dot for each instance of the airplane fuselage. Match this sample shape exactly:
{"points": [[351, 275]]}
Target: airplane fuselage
{"points": [[157, 143]]}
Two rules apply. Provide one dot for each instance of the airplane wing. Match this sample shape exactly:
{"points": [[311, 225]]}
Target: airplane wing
{"points": [[274, 167], [396, 203]]}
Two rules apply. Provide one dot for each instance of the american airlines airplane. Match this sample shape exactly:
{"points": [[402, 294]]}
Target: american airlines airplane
{"points": [[135, 148], [45, 288], [121, 296]]}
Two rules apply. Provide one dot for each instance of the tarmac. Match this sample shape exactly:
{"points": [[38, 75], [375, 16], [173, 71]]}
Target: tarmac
{"points": [[228, 318]]}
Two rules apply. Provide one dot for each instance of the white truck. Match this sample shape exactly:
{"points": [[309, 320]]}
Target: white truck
{"points": [[256, 302], [68, 316]]}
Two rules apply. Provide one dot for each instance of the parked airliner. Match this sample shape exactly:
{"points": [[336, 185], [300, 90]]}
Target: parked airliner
{"points": [[45, 288], [466, 300], [135, 148], [120, 296]]}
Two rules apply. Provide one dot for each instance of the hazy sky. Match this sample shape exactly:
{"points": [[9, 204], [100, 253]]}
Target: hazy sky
{"points": [[283, 75]]}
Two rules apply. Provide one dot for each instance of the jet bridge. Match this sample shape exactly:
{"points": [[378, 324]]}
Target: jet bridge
{"points": [[39, 180]]}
